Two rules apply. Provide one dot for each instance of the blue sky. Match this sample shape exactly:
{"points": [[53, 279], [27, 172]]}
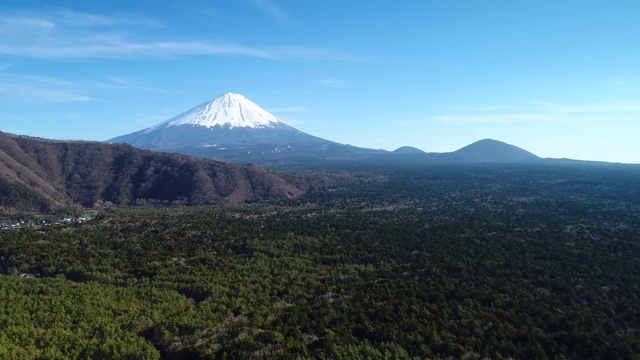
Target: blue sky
{"points": [[557, 78]]}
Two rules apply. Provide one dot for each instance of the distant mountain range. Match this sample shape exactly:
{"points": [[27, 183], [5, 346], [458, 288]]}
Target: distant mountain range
{"points": [[482, 151], [41, 175], [233, 129]]}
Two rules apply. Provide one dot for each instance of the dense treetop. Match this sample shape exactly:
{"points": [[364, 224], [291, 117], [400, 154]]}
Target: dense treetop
{"points": [[446, 262]]}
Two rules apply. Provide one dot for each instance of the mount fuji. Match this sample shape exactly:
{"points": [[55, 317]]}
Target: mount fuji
{"points": [[234, 129], [231, 128]]}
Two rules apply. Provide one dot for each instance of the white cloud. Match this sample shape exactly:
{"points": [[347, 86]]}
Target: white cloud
{"points": [[291, 109], [120, 83], [76, 18], [61, 34], [36, 94], [36, 88], [146, 120], [117, 48], [600, 108], [539, 111], [293, 122], [492, 108], [59, 17], [40, 88], [269, 8], [114, 47], [333, 82], [40, 80], [492, 119]]}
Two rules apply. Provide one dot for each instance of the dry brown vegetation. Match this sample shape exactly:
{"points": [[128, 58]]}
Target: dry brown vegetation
{"points": [[91, 173]]}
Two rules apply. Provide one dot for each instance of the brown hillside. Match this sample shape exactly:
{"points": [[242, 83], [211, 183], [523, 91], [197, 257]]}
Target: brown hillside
{"points": [[88, 173]]}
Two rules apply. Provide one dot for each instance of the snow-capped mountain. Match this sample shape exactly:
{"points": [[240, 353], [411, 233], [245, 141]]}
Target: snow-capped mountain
{"points": [[228, 110], [232, 128]]}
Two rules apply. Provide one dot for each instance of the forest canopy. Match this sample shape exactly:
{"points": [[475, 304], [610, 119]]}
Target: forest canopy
{"points": [[447, 262]]}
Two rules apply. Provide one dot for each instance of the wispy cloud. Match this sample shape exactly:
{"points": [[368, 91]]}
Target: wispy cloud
{"points": [[537, 105], [120, 83], [307, 53], [76, 18], [491, 119], [269, 8], [146, 120], [65, 34], [333, 82], [41, 89], [38, 79], [291, 109], [35, 93], [537, 111], [599, 108], [49, 19], [292, 121], [15, 24], [491, 108], [115, 47]]}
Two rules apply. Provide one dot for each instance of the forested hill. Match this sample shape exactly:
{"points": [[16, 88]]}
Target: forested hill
{"points": [[37, 174]]}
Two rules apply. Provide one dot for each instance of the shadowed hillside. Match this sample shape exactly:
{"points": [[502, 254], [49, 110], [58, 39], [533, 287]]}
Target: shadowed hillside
{"points": [[489, 150], [37, 174]]}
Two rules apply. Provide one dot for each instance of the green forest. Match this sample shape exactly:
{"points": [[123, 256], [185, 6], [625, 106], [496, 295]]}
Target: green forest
{"points": [[444, 262]]}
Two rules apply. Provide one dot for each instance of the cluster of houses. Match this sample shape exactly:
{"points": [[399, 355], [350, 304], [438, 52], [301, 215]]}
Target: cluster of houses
{"points": [[13, 224], [17, 224], [74, 220]]}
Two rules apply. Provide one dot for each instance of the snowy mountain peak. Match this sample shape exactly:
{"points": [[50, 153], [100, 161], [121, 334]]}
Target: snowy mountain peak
{"points": [[227, 110]]}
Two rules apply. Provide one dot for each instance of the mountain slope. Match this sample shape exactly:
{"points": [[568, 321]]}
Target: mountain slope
{"points": [[489, 150], [405, 150], [55, 174]]}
